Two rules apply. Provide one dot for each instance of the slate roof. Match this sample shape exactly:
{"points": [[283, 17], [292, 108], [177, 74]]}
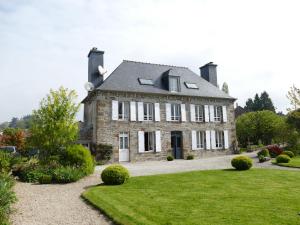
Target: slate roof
{"points": [[125, 78]]}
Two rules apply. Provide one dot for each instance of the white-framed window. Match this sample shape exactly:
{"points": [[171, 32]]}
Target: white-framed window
{"points": [[217, 113], [148, 111], [175, 112], [123, 112], [174, 84], [123, 140], [149, 138], [199, 113], [219, 139], [200, 139]]}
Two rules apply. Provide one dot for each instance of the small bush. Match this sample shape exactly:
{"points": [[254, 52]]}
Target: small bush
{"points": [[7, 197], [274, 150], [79, 157], [45, 179], [25, 170], [170, 158], [190, 157], [241, 163], [5, 159], [261, 158], [115, 175], [102, 152], [264, 153], [289, 153], [67, 174], [283, 159]]}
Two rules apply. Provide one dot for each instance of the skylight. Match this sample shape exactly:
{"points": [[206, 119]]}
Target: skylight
{"points": [[146, 81], [191, 85]]}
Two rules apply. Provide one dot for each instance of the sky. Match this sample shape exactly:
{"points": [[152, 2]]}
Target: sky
{"points": [[44, 44]]}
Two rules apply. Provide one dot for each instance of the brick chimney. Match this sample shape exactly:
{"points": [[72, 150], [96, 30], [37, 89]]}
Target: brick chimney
{"points": [[95, 59], [209, 73]]}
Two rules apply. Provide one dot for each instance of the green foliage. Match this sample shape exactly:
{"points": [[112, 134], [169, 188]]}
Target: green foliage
{"points": [[45, 179], [262, 125], [170, 158], [54, 125], [293, 118], [102, 152], [190, 157], [13, 137], [79, 157], [264, 153], [241, 163], [262, 102], [289, 153], [7, 197], [67, 174], [25, 170], [282, 158], [115, 175], [294, 97], [5, 162]]}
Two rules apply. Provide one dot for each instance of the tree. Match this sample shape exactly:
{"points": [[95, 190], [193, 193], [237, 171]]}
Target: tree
{"points": [[225, 88], [256, 103], [13, 137], [249, 105], [54, 126], [293, 118], [266, 102], [294, 97], [262, 102], [13, 122]]}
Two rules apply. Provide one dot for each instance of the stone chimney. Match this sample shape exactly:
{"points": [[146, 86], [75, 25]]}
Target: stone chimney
{"points": [[95, 59], [209, 73]]}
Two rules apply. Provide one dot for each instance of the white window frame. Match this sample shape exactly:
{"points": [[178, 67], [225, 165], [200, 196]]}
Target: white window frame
{"points": [[174, 80], [151, 138], [123, 143], [199, 116], [200, 139], [124, 114], [175, 108], [148, 111], [219, 139], [218, 113]]}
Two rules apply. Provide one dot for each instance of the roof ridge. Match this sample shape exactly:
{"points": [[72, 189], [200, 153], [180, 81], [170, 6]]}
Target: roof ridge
{"points": [[155, 64]]}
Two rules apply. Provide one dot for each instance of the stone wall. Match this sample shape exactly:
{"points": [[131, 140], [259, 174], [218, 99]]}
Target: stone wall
{"points": [[107, 131]]}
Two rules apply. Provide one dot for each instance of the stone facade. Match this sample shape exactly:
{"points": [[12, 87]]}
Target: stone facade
{"points": [[98, 114]]}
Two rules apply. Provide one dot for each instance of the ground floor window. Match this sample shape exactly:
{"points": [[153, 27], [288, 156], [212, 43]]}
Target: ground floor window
{"points": [[200, 135], [123, 140], [219, 139], [149, 141]]}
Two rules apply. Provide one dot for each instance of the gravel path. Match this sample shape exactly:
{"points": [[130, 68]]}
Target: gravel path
{"points": [[62, 205]]}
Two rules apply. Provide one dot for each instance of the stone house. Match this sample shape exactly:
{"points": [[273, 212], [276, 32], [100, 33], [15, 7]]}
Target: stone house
{"points": [[149, 111]]}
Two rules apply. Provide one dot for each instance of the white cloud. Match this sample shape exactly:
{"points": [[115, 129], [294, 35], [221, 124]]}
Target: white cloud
{"points": [[44, 45]]}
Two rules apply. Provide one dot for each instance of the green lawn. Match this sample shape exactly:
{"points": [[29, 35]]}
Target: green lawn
{"points": [[257, 196], [295, 162]]}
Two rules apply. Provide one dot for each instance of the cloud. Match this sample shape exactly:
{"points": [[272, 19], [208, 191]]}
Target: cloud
{"points": [[44, 45]]}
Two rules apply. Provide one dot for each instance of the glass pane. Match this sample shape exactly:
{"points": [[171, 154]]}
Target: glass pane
{"points": [[146, 81]]}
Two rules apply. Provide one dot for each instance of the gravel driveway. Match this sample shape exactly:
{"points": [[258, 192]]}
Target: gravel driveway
{"points": [[62, 205]]}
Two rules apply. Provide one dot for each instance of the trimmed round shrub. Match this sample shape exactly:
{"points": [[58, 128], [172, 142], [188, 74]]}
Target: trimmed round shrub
{"points": [[289, 153], [241, 163], [79, 157], [115, 175], [170, 158], [45, 179], [282, 158], [190, 157], [264, 153]]}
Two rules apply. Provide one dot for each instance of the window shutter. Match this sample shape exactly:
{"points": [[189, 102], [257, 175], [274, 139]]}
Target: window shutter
{"points": [[168, 112], [226, 141], [194, 140], [224, 113], [157, 141], [206, 113], [192, 112], [115, 110], [141, 144], [183, 113], [211, 113], [140, 111], [157, 112], [132, 111], [213, 139], [207, 137]]}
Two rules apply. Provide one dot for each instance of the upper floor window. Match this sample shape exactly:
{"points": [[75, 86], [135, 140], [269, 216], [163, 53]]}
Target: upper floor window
{"points": [[175, 112], [200, 135], [148, 111], [174, 84], [123, 108], [219, 139], [218, 113], [199, 113]]}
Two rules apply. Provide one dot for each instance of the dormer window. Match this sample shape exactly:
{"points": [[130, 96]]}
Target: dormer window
{"points": [[174, 84], [146, 81]]}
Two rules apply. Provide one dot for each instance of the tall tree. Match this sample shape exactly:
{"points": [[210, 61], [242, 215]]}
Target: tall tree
{"points": [[256, 103], [54, 125], [13, 122], [266, 102], [225, 88], [294, 97], [262, 102], [249, 105]]}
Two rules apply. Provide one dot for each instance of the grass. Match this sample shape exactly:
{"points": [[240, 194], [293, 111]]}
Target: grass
{"points": [[295, 162], [257, 196]]}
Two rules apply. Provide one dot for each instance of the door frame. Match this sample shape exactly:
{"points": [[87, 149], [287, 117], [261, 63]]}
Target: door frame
{"points": [[177, 134], [121, 134]]}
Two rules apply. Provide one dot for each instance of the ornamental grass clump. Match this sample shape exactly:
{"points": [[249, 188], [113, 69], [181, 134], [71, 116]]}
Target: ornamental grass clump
{"points": [[115, 175]]}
